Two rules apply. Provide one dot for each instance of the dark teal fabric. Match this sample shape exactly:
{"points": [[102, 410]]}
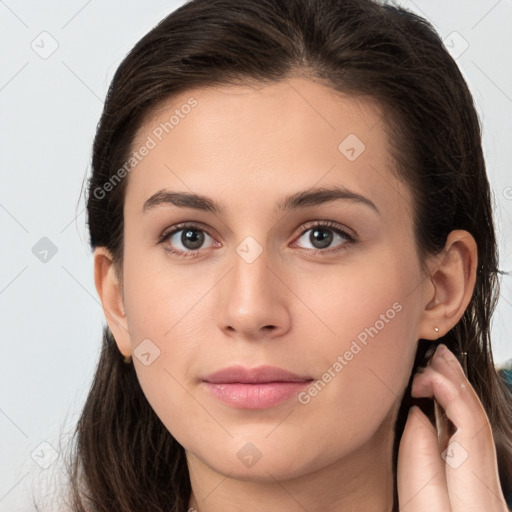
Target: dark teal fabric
{"points": [[506, 372]]}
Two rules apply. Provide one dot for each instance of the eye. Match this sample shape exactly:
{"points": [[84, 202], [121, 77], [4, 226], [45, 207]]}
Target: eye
{"points": [[322, 235], [188, 238]]}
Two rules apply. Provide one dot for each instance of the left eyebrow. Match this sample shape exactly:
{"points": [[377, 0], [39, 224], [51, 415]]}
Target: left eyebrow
{"points": [[298, 200], [322, 195]]}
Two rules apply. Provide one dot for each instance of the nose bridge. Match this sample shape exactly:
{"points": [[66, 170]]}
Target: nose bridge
{"points": [[250, 279], [251, 296]]}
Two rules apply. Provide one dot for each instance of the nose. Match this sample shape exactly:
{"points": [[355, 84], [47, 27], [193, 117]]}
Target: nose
{"points": [[253, 300]]}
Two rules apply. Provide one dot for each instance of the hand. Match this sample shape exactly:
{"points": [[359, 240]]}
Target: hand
{"points": [[464, 476]]}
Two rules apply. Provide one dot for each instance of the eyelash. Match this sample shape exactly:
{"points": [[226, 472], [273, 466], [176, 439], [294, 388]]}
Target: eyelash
{"points": [[329, 225]]}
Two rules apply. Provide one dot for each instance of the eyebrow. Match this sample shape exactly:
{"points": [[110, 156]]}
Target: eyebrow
{"points": [[298, 200]]}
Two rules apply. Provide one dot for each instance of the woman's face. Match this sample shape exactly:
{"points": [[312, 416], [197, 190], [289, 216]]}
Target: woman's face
{"points": [[258, 282]]}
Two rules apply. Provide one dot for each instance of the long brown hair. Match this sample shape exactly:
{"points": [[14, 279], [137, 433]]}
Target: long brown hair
{"points": [[123, 458]]}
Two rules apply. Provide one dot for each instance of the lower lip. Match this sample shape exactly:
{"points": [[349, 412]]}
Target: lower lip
{"points": [[255, 396]]}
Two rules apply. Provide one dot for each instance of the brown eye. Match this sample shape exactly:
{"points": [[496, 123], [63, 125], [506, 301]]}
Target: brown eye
{"points": [[185, 240], [191, 239], [322, 236]]}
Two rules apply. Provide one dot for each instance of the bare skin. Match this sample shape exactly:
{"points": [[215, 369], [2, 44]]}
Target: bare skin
{"points": [[282, 299]]}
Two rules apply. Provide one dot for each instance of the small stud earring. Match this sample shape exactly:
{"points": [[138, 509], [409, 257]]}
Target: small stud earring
{"points": [[126, 359], [436, 329]]}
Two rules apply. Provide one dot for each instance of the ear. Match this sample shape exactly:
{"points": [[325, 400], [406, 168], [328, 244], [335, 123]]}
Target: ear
{"points": [[453, 278], [108, 286]]}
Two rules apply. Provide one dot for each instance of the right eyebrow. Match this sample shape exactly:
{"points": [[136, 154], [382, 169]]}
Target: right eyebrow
{"points": [[183, 200]]}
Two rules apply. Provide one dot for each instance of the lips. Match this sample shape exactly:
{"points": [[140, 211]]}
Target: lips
{"points": [[260, 374], [254, 388]]}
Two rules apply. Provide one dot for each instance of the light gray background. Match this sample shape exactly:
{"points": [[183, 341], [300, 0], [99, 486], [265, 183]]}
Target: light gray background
{"points": [[51, 318]]}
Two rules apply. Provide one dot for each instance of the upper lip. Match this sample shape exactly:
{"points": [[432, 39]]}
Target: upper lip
{"points": [[255, 375]]}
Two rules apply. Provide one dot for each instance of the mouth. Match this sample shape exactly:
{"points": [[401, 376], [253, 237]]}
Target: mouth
{"points": [[254, 388]]}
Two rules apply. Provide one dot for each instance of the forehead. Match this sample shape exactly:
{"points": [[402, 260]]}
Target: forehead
{"points": [[250, 141]]}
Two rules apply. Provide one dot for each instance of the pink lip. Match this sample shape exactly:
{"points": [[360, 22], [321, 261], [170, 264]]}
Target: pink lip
{"points": [[256, 388]]}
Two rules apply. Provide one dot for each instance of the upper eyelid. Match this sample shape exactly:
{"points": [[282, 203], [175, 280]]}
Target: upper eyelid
{"points": [[185, 225], [336, 226]]}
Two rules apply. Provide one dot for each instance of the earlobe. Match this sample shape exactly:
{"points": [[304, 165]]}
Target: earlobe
{"points": [[110, 293], [452, 281]]}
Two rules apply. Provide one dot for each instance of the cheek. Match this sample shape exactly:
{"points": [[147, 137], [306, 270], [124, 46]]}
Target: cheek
{"points": [[163, 326], [370, 300], [369, 320], [364, 364], [157, 295], [165, 318]]}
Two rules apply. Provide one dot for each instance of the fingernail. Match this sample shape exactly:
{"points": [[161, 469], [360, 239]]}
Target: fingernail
{"points": [[442, 350]]}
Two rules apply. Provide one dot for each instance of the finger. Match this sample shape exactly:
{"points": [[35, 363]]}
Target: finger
{"points": [[421, 481], [449, 383], [471, 462]]}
